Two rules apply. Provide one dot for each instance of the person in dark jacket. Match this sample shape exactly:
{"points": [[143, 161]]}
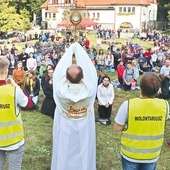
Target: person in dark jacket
{"points": [[12, 65], [48, 105], [32, 86]]}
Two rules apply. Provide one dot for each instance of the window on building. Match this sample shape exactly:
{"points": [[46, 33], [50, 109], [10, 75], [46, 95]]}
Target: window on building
{"points": [[133, 9], [45, 14], [93, 15], [67, 1], [149, 15], [129, 9], [98, 15], [120, 9], [49, 15], [54, 1], [88, 15], [54, 15], [84, 14], [124, 9], [154, 15]]}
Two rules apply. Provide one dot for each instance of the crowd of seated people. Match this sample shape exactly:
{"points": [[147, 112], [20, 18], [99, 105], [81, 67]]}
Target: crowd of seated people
{"points": [[30, 67]]}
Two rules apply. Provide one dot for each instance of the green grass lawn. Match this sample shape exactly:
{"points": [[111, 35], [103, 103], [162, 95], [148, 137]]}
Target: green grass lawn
{"points": [[38, 134], [19, 46]]}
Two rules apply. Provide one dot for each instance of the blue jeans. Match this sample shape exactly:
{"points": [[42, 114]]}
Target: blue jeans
{"points": [[108, 68], [99, 66], [127, 165], [35, 99], [14, 158]]}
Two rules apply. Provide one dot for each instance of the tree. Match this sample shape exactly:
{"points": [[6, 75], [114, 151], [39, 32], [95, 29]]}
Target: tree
{"points": [[24, 15], [10, 20], [36, 6], [162, 10], [167, 6], [32, 6]]}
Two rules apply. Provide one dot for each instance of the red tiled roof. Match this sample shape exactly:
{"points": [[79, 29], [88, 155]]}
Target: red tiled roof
{"points": [[45, 4], [153, 1], [82, 3], [97, 2], [116, 2], [52, 9], [131, 2]]}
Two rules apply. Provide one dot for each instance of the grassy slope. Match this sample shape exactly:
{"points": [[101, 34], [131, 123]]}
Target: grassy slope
{"points": [[38, 135]]}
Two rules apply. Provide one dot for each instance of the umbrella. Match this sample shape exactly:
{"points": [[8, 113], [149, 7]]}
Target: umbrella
{"points": [[86, 22]]}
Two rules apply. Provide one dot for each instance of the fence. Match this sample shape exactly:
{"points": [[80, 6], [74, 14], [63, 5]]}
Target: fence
{"points": [[159, 25], [162, 25]]}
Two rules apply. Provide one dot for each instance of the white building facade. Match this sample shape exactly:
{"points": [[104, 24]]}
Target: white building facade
{"points": [[112, 14]]}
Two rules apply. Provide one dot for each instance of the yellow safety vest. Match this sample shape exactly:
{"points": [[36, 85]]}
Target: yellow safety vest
{"points": [[11, 129], [145, 129]]}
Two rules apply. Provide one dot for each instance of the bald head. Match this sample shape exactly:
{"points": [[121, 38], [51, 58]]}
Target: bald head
{"points": [[74, 74]]}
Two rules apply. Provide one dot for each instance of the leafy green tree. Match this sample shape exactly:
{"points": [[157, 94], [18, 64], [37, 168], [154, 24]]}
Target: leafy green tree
{"points": [[10, 20], [24, 15], [32, 6], [36, 6], [162, 10], [167, 6]]}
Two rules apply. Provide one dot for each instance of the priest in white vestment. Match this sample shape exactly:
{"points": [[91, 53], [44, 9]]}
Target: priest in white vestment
{"points": [[74, 85]]}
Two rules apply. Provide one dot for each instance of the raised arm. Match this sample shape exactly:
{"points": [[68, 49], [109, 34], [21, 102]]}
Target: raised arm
{"points": [[83, 60]]}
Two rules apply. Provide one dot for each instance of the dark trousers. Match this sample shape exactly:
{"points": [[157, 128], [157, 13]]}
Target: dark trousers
{"points": [[127, 87], [105, 113], [165, 89], [120, 81]]}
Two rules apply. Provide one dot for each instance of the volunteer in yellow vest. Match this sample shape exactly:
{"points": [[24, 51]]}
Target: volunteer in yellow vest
{"points": [[142, 121], [11, 128]]}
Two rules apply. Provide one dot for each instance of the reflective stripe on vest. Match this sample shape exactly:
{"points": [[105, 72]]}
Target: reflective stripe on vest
{"points": [[10, 123], [141, 150], [10, 136], [18, 122], [144, 136]]}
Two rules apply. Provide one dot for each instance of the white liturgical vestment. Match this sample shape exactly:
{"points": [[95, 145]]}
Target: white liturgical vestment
{"points": [[74, 140]]}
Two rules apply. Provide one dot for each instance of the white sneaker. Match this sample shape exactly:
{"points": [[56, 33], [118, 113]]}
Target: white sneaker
{"points": [[137, 87], [104, 123]]}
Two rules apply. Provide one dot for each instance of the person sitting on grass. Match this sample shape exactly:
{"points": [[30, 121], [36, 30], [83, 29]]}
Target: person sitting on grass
{"points": [[31, 63], [48, 105], [45, 75], [19, 75], [135, 67], [32, 86], [128, 76], [120, 71], [42, 67], [101, 74], [109, 62], [105, 96], [100, 59]]}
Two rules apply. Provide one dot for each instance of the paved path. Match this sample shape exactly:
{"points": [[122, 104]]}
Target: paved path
{"points": [[126, 35]]}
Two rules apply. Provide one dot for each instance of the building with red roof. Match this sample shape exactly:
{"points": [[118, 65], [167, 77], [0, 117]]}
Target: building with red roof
{"points": [[112, 14]]}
